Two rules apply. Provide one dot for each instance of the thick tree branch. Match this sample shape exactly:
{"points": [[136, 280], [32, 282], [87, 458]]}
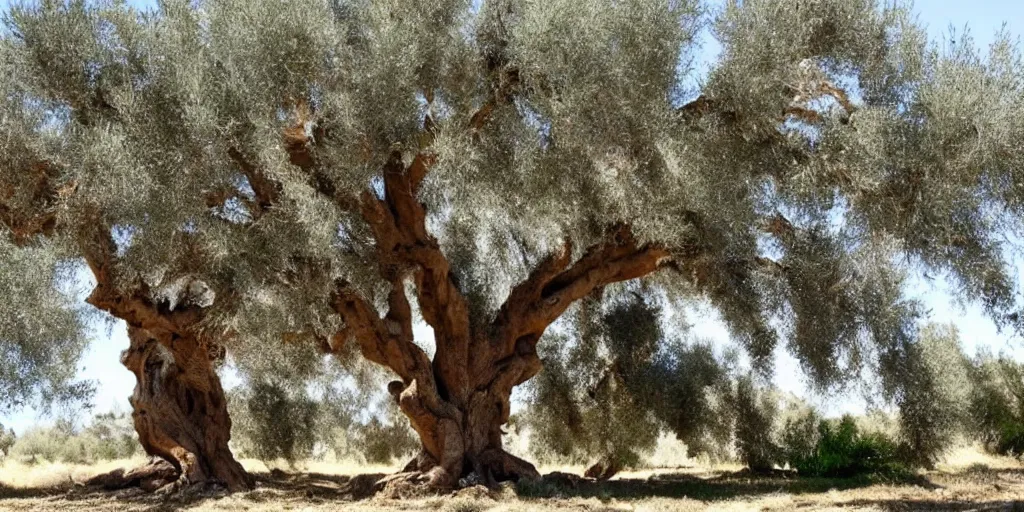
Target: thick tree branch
{"points": [[398, 222], [135, 308], [388, 341], [97, 247], [554, 285], [387, 345], [403, 246]]}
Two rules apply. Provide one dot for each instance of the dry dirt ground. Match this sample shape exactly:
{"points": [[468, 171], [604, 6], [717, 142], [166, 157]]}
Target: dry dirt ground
{"points": [[972, 483]]}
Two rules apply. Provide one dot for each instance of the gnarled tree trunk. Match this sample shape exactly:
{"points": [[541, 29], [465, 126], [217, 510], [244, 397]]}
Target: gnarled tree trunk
{"points": [[179, 408], [461, 437], [458, 401]]}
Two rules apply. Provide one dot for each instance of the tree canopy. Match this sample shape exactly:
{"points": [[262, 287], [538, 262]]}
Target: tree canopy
{"points": [[265, 174]]}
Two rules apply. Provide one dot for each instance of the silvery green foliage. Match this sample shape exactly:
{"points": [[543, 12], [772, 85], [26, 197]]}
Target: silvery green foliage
{"points": [[928, 381], [996, 407], [269, 422], [42, 335], [586, 405], [799, 434], [918, 164], [7, 440], [756, 431], [767, 427], [300, 404], [613, 381]]}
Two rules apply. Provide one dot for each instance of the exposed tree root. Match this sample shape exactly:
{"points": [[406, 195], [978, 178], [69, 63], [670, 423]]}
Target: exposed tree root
{"points": [[497, 465], [157, 474], [422, 476]]}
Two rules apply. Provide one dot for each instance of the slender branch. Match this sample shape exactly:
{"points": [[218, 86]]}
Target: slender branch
{"points": [[703, 106], [778, 225], [266, 191], [699, 107], [839, 94], [297, 142], [804, 114], [300, 143], [771, 266]]}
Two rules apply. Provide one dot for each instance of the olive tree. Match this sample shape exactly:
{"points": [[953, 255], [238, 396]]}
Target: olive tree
{"points": [[328, 172], [996, 403]]}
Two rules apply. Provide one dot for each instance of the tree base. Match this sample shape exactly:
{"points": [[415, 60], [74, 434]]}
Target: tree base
{"points": [[422, 476]]}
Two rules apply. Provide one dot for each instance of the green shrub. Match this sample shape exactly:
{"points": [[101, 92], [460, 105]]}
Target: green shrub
{"points": [[800, 437], [114, 436], [110, 436], [384, 441], [843, 451]]}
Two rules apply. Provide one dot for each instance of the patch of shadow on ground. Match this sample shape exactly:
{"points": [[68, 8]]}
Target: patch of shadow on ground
{"points": [[716, 487], [910, 505], [7, 492], [297, 489], [275, 486]]}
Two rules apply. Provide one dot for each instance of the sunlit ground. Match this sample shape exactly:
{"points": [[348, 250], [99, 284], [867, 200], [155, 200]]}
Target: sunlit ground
{"points": [[966, 480]]}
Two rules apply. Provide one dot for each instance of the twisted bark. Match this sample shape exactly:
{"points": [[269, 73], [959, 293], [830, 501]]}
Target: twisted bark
{"points": [[458, 402], [178, 405], [179, 408], [180, 411]]}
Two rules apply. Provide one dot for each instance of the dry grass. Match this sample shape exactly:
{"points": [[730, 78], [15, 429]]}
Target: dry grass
{"points": [[967, 480], [22, 475], [968, 457]]}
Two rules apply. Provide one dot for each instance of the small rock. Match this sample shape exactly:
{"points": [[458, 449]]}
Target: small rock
{"points": [[470, 480]]}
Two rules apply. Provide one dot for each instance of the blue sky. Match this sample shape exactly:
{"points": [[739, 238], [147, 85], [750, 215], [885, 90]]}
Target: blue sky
{"points": [[984, 17]]}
